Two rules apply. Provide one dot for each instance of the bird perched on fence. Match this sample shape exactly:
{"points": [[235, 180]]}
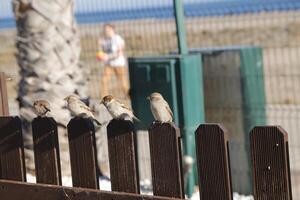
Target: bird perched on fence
{"points": [[117, 109], [41, 107], [160, 108], [79, 109]]}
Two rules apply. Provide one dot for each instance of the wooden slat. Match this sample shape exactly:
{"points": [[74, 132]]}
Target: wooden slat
{"points": [[12, 149], [46, 151], [3, 96], [27, 191], [83, 153], [270, 163], [213, 162], [165, 151], [122, 149]]}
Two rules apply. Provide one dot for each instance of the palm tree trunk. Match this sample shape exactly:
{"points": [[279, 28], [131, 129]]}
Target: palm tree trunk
{"points": [[48, 56]]}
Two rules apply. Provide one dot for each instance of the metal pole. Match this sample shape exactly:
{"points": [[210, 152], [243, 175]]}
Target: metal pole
{"points": [[180, 27], [188, 139], [3, 96]]}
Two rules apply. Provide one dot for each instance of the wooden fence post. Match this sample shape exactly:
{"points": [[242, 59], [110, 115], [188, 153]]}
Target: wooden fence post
{"points": [[165, 150], [213, 162], [12, 149], [270, 163], [122, 149], [46, 151], [3, 96], [83, 153]]}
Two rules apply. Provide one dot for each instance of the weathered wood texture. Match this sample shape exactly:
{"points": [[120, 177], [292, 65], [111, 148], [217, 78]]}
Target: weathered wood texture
{"points": [[4, 111], [165, 151], [122, 149], [28, 191], [213, 162], [83, 156], [270, 163], [11, 149], [46, 151]]}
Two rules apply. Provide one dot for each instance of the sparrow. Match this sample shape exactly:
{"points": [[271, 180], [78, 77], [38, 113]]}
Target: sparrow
{"points": [[41, 107], [160, 108], [117, 109], [79, 109]]}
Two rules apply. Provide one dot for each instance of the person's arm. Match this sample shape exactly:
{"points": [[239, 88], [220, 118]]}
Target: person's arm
{"points": [[101, 56]]}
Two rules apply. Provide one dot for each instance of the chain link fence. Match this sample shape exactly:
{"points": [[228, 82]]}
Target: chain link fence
{"points": [[148, 28], [277, 33]]}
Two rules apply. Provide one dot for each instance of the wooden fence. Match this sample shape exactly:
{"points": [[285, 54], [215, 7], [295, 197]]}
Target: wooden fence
{"points": [[269, 152]]}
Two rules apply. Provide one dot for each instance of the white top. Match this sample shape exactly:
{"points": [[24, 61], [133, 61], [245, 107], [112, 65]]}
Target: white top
{"points": [[111, 46]]}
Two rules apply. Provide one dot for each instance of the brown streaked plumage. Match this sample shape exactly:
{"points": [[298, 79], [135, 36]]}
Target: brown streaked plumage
{"points": [[42, 107], [160, 108], [78, 108], [117, 109]]}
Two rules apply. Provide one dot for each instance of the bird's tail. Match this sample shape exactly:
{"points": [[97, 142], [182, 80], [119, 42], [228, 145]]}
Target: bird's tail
{"points": [[136, 119], [96, 123]]}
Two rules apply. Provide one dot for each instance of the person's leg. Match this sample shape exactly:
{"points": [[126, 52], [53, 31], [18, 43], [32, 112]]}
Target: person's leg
{"points": [[121, 74], [106, 76]]}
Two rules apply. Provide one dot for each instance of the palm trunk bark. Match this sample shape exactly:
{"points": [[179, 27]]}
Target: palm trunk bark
{"points": [[48, 53]]}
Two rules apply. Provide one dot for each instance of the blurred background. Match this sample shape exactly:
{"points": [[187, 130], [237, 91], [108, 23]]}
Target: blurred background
{"points": [[149, 29]]}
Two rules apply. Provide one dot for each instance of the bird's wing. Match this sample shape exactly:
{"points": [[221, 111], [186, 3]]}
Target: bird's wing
{"points": [[169, 109], [82, 105], [47, 107], [124, 106], [127, 108]]}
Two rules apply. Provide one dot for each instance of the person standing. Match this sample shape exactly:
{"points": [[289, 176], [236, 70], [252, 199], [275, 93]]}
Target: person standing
{"points": [[112, 55]]}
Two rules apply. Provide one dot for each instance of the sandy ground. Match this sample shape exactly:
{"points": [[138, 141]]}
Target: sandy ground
{"points": [[277, 33]]}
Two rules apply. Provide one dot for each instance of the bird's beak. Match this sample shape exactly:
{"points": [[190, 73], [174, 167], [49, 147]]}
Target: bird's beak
{"points": [[148, 98], [101, 102], [66, 98]]}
